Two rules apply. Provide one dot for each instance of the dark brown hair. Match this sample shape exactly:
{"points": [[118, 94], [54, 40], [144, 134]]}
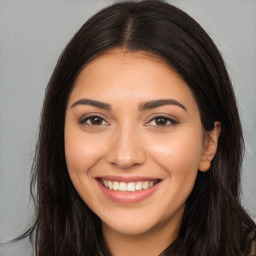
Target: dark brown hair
{"points": [[214, 222]]}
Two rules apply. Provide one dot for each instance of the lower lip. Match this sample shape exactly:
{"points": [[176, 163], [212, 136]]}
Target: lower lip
{"points": [[128, 197]]}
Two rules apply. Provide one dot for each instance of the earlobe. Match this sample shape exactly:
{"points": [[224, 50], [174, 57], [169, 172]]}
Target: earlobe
{"points": [[211, 144]]}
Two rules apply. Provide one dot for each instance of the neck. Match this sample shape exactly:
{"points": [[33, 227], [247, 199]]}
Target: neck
{"points": [[151, 243]]}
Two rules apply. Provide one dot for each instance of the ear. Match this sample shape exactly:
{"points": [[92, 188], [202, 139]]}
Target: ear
{"points": [[210, 147]]}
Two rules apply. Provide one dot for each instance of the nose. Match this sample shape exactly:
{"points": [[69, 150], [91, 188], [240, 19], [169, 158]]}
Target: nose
{"points": [[126, 149]]}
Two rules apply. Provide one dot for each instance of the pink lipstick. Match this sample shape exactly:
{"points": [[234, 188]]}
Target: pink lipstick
{"points": [[127, 189]]}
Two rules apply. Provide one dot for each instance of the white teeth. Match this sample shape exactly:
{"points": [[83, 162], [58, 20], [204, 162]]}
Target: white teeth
{"points": [[127, 187], [122, 186], [145, 185], [138, 185], [131, 186], [115, 185], [110, 185], [105, 183]]}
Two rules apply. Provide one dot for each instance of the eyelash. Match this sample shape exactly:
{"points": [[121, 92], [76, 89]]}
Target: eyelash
{"points": [[170, 121], [83, 120]]}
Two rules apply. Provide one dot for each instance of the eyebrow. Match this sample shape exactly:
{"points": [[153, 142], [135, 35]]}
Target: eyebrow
{"points": [[142, 107], [93, 103], [158, 103]]}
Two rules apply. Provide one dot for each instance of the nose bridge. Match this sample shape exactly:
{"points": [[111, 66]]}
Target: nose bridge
{"points": [[126, 148]]}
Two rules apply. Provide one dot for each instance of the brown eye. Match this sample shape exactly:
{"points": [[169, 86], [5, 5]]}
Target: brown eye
{"points": [[94, 120], [162, 121]]}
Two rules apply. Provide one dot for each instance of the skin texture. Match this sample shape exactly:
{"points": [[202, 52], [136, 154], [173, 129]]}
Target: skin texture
{"points": [[128, 142]]}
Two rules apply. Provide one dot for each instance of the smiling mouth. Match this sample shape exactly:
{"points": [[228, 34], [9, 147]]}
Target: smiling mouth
{"points": [[128, 186]]}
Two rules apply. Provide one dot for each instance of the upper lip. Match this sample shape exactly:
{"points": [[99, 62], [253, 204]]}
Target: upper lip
{"points": [[127, 178]]}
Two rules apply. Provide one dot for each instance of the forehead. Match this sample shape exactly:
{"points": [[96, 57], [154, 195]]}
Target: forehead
{"points": [[121, 62], [140, 76]]}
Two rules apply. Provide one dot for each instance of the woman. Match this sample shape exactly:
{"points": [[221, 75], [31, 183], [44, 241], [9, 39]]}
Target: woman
{"points": [[140, 144]]}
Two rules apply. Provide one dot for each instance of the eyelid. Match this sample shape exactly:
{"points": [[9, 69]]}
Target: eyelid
{"points": [[171, 118], [94, 114]]}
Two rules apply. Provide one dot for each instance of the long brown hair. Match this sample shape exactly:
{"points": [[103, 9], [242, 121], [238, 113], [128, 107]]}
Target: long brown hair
{"points": [[214, 222]]}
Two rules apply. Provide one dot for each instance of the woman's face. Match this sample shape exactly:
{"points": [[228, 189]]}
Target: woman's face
{"points": [[133, 141]]}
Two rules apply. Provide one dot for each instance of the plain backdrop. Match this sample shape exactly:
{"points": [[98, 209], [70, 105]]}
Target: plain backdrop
{"points": [[32, 35]]}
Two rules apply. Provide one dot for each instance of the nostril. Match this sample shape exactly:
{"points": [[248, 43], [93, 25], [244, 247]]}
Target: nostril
{"points": [[126, 157]]}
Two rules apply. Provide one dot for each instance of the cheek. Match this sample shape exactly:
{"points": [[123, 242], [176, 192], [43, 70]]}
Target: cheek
{"points": [[179, 154], [81, 151]]}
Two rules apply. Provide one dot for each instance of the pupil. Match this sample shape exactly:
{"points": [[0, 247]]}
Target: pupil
{"points": [[96, 120], [161, 121]]}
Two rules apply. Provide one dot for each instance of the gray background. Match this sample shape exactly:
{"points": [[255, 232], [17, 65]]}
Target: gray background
{"points": [[32, 36]]}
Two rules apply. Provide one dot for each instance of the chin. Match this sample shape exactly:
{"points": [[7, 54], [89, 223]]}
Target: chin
{"points": [[141, 222], [132, 228]]}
